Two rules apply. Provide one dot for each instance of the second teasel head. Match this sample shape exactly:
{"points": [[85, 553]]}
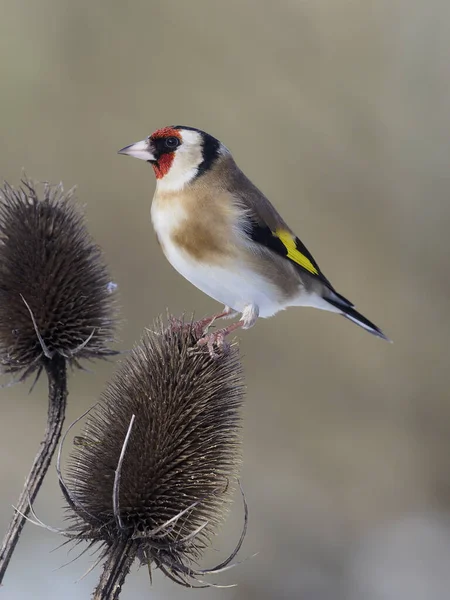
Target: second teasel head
{"points": [[55, 289], [175, 417]]}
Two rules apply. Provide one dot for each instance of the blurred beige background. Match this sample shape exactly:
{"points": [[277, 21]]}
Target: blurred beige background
{"points": [[339, 111]]}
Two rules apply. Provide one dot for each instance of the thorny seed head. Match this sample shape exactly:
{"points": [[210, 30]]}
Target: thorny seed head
{"points": [[180, 461], [55, 290]]}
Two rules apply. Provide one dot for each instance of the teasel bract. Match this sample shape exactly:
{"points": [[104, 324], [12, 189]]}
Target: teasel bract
{"points": [[152, 474], [57, 307]]}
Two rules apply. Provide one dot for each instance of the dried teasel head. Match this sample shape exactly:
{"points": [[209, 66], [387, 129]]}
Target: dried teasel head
{"points": [[159, 456], [55, 290]]}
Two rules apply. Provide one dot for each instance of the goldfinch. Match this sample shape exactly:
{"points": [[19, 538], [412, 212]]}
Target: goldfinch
{"points": [[221, 233]]}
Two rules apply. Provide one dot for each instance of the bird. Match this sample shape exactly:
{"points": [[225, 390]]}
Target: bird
{"points": [[221, 233]]}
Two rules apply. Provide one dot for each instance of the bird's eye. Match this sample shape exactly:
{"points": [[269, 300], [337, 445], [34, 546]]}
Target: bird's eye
{"points": [[172, 142]]}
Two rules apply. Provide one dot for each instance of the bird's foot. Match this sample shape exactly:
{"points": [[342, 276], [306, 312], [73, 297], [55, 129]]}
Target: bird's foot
{"points": [[216, 341], [178, 325], [196, 328], [199, 329]]}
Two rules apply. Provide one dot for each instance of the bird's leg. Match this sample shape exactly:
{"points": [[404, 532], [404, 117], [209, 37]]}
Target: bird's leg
{"points": [[217, 338], [201, 327], [228, 313]]}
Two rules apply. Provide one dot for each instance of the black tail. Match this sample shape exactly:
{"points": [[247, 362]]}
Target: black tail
{"points": [[347, 310]]}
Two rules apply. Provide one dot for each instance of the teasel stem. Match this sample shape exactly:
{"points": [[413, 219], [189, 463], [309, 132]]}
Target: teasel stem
{"points": [[56, 370], [120, 557]]}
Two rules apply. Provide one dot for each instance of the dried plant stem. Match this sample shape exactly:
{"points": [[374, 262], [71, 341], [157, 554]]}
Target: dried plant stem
{"points": [[57, 400], [117, 566]]}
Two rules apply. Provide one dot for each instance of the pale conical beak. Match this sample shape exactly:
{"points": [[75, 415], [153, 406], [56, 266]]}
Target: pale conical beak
{"points": [[139, 150]]}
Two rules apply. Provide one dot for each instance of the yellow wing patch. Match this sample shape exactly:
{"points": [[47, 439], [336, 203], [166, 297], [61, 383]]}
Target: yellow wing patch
{"points": [[293, 253]]}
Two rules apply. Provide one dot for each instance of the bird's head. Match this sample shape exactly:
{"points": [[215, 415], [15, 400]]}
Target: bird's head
{"points": [[177, 154]]}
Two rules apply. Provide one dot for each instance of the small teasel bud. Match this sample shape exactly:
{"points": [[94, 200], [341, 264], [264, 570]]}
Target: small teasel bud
{"points": [[55, 290], [57, 306], [153, 471]]}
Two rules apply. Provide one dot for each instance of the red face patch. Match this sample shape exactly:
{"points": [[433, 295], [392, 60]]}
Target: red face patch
{"points": [[162, 166], [165, 132]]}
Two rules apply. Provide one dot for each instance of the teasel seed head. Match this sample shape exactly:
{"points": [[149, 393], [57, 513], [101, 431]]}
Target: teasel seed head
{"points": [[55, 290], [159, 456]]}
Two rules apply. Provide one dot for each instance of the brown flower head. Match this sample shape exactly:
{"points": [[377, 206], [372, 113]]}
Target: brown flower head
{"points": [[159, 455], [55, 291]]}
